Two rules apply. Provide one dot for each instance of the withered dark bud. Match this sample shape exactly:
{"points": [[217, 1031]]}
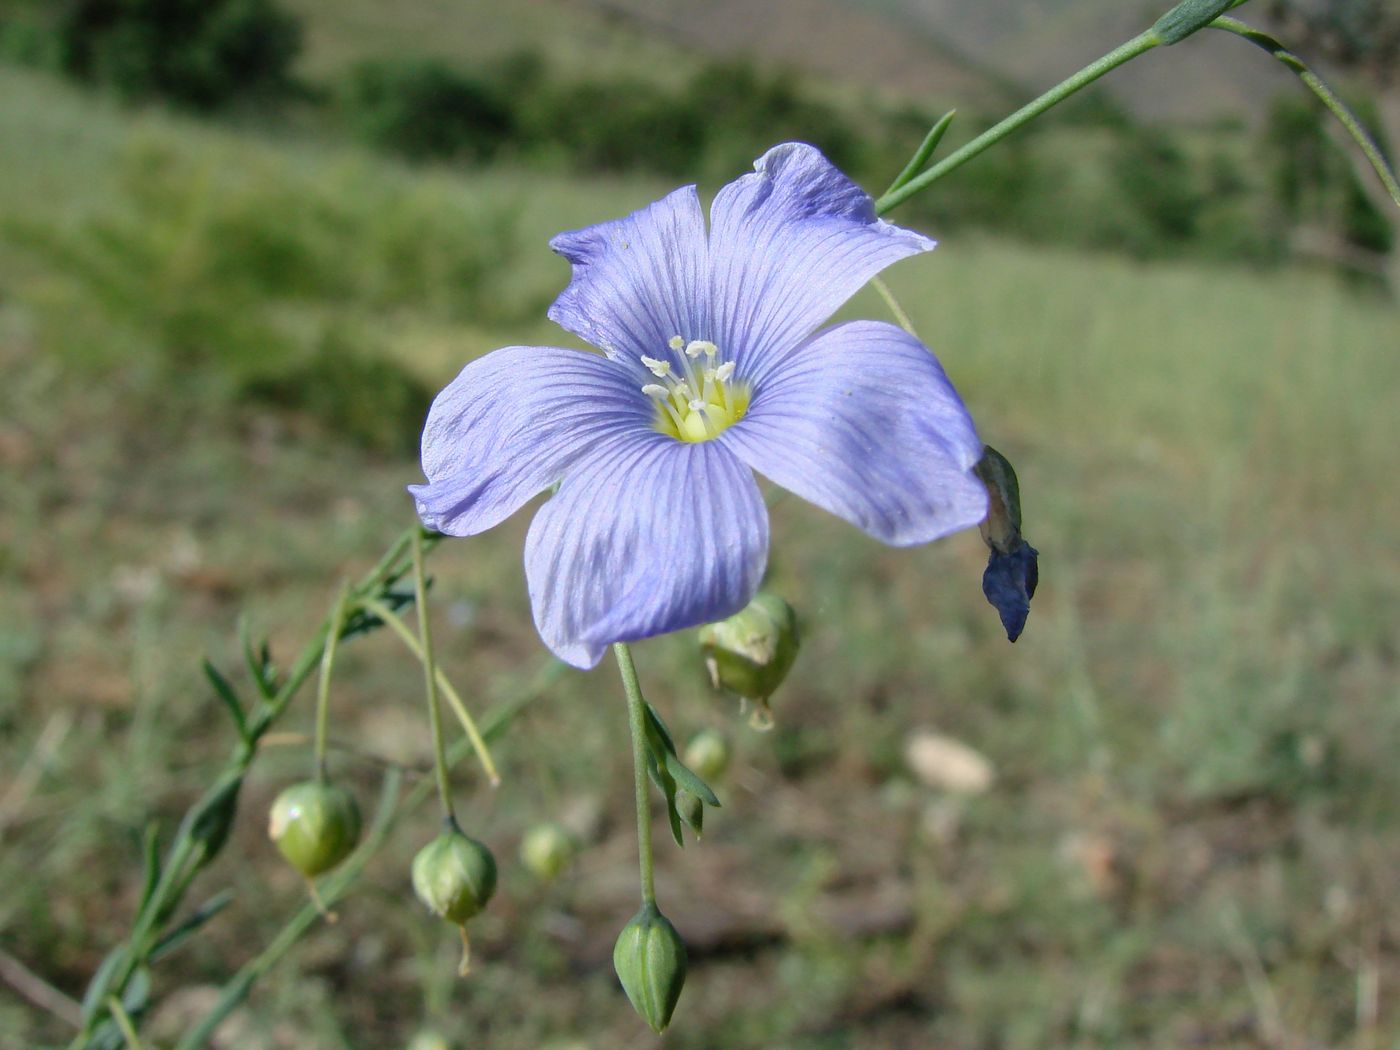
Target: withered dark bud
{"points": [[1012, 566]]}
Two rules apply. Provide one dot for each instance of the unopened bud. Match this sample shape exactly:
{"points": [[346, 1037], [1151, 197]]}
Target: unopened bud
{"points": [[314, 825], [708, 754], [751, 652], [546, 850], [691, 810], [649, 958], [454, 875]]}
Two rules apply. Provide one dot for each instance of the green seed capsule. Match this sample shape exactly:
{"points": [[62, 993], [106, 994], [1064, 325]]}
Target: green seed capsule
{"points": [[314, 825], [546, 851], [708, 754], [649, 958], [454, 875], [751, 652]]}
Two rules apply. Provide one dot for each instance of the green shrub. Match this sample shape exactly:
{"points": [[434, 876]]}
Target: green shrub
{"points": [[619, 125], [426, 110], [201, 54], [228, 275]]}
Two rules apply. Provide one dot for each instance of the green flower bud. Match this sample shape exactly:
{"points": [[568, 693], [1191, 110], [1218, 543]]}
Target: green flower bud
{"points": [[708, 754], [546, 850], [650, 962], [692, 811], [751, 652], [314, 825], [454, 875]]}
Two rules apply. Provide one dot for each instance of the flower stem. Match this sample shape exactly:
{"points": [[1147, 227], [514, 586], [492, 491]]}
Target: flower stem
{"points": [[123, 1021], [1319, 88], [323, 687], [1143, 42], [636, 713], [444, 684], [893, 303], [425, 635]]}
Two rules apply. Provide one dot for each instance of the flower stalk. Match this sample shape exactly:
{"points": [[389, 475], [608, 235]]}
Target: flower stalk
{"points": [[323, 686], [636, 716], [1126, 52], [1325, 94], [425, 636], [445, 688]]}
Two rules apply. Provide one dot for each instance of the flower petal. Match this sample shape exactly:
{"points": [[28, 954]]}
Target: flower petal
{"points": [[638, 281], [789, 244], [863, 423], [510, 423], [646, 535]]}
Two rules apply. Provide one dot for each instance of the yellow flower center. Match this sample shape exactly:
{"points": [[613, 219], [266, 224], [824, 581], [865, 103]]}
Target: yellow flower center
{"points": [[701, 399]]}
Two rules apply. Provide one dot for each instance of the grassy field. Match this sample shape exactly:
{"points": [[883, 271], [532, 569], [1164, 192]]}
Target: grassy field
{"points": [[1195, 822]]}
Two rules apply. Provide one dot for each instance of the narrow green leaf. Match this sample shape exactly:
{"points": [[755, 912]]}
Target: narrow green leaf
{"points": [[226, 693], [667, 786], [177, 935], [921, 157], [96, 993], [137, 995], [150, 853], [259, 660], [657, 726]]}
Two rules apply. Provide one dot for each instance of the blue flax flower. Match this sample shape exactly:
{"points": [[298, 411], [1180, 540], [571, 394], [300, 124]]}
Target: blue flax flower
{"points": [[712, 368]]}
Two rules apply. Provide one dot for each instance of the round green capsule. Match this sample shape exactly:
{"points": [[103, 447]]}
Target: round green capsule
{"points": [[752, 652], [314, 825], [454, 875]]}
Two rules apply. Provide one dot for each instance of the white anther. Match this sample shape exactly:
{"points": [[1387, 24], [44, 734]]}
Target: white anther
{"points": [[657, 368], [697, 405], [655, 390], [675, 342], [696, 347], [724, 371]]}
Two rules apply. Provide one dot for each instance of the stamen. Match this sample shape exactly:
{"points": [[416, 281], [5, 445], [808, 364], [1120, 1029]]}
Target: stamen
{"points": [[695, 394]]}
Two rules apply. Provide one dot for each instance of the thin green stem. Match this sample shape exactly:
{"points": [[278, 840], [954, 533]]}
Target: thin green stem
{"points": [[636, 713], [1319, 88], [494, 723], [323, 687], [1143, 42], [444, 684], [893, 303], [425, 635], [123, 1021]]}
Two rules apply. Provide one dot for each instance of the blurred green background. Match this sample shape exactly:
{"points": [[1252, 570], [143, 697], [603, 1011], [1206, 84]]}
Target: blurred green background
{"points": [[242, 242]]}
